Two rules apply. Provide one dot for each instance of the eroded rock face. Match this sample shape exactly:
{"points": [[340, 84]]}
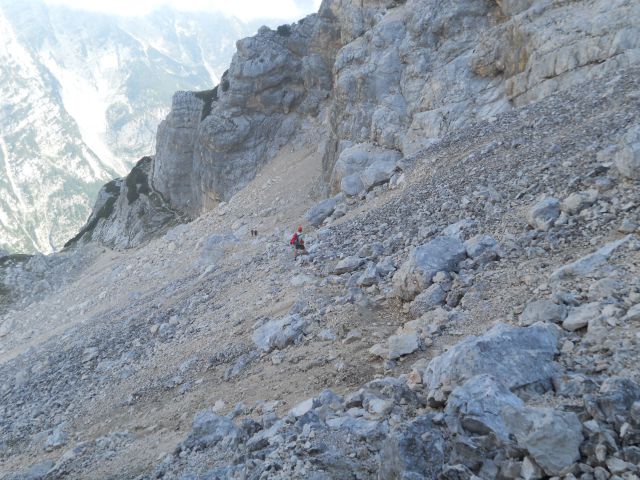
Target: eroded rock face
{"points": [[128, 211], [392, 77], [213, 143], [440, 67]]}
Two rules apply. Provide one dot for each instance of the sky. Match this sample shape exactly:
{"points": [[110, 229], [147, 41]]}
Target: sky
{"points": [[245, 10]]}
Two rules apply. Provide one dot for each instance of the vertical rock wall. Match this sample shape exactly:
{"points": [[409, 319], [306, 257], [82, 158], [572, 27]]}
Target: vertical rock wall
{"points": [[383, 76]]}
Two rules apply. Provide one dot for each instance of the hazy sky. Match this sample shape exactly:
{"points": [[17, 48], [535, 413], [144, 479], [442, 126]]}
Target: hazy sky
{"points": [[244, 9]]}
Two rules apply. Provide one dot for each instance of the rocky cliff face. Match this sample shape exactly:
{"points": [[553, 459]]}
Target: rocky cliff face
{"points": [[80, 99], [381, 80], [213, 143]]}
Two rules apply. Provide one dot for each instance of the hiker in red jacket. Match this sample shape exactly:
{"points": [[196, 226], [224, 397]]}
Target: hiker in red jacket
{"points": [[297, 242]]}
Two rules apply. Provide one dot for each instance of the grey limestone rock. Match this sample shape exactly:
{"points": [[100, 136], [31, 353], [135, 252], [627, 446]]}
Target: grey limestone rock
{"points": [[128, 211], [480, 245], [213, 143], [431, 298], [402, 344], [551, 437], [544, 213], [316, 214], [627, 159], [576, 202], [477, 407], [581, 316], [514, 356], [175, 143], [413, 451], [440, 254], [484, 406], [542, 311], [589, 263], [351, 185], [209, 429], [369, 276], [615, 401], [364, 164], [278, 333], [348, 264], [377, 173]]}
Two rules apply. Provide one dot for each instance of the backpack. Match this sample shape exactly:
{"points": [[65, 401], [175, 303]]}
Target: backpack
{"points": [[294, 239]]}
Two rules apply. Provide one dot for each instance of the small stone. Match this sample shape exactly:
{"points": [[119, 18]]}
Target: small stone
{"points": [[628, 226], [301, 408], [600, 452], [402, 344], [348, 264], [577, 202], [579, 317], [543, 214], [542, 311], [567, 347], [327, 335], [633, 314], [379, 350], [601, 473], [378, 406], [617, 465], [480, 245], [530, 470], [352, 336]]}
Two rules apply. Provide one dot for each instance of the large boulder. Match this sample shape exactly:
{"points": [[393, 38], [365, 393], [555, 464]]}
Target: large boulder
{"points": [[378, 172], [348, 264], [351, 185], [316, 214], [412, 451], [442, 254], [542, 311], [370, 164], [544, 213], [477, 407], [484, 406], [209, 429], [552, 438], [278, 333], [515, 356]]}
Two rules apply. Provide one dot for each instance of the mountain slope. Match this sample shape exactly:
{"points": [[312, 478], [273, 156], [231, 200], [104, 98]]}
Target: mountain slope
{"points": [[82, 96], [469, 303]]}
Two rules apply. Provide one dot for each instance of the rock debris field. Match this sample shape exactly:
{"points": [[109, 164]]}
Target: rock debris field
{"points": [[475, 316]]}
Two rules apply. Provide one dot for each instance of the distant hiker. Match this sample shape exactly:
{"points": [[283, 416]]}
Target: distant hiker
{"points": [[297, 242]]}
